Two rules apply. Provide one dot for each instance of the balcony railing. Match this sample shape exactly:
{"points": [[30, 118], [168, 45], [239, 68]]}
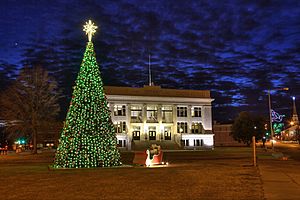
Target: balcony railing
{"points": [[152, 119], [167, 120], [136, 119]]}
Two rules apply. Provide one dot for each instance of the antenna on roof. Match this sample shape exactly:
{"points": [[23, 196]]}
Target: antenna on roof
{"points": [[150, 80]]}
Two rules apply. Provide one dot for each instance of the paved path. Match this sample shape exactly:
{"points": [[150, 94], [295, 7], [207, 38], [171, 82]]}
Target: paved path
{"points": [[281, 178]]}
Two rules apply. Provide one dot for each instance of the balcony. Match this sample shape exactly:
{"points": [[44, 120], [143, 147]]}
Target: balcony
{"points": [[152, 120], [136, 119], [167, 120]]}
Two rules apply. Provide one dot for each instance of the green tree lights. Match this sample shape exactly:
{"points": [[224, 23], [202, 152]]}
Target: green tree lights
{"points": [[88, 137]]}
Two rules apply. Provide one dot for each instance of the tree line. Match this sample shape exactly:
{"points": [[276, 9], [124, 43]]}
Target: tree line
{"points": [[246, 125], [30, 105]]}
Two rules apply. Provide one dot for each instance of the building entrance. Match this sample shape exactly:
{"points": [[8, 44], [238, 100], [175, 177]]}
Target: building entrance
{"points": [[167, 135], [152, 135], [136, 135]]}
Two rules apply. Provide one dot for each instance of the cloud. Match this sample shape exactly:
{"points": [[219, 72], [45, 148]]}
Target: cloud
{"points": [[233, 48]]}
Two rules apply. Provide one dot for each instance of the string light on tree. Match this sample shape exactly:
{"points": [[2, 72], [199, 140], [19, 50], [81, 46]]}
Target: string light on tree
{"points": [[88, 137]]}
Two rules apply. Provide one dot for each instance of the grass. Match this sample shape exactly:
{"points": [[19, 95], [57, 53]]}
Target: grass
{"points": [[190, 175]]}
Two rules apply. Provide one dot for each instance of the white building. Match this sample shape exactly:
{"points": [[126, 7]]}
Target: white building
{"points": [[155, 115]]}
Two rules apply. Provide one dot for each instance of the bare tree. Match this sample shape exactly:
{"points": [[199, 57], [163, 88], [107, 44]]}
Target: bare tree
{"points": [[30, 103]]}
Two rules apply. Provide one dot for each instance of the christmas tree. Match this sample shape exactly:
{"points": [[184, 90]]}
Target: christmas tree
{"points": [[88, 137]]}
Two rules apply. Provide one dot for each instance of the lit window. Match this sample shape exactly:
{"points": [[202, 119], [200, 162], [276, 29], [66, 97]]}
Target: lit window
{"points": [[182, 127], [167, 114], [120, 127], [196, 111], [151, 113], [196, 127], [119, 110], [136, 113], [181, 111]]}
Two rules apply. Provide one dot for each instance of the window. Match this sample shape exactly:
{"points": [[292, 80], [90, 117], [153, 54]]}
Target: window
{"points": [[198, 142], [167, 114], [119, 110], [182, 127], [120, 127], [196, 111], [121, 143], [181, 111], [136, 113], [186, 143], [151, 113], [196, 127]]}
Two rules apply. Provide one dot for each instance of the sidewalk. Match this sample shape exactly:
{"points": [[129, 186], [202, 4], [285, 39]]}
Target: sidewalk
{"points": [[280, 178]]}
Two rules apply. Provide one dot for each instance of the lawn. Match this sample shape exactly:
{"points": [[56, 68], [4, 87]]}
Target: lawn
{"points": [[190, 175]]}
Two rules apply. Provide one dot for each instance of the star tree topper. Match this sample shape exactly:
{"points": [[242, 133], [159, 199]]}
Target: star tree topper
{"points": [[90, 29]]}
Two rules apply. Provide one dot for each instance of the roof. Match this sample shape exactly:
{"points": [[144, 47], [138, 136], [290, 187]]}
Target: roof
{"points": [[155, 91]]}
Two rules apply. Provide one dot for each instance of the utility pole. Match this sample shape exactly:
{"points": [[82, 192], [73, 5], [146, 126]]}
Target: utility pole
{"points": [[270, 115]]}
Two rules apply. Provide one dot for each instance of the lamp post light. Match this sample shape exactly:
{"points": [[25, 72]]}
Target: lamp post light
{"points": [[270, 114]]}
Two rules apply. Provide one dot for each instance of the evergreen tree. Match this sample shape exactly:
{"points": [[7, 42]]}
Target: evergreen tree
{"points": [[88, 137]]}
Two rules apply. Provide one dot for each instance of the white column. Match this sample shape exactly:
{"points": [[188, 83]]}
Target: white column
{"points": [[189, 118], [174, 129], [160, 125], [145, 132], [206, 117], [175, 119], [111, 108], [128, 126]]}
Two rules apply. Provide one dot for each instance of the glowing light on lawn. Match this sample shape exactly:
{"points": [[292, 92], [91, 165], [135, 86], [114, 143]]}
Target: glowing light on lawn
{"points": [[148, 161]]}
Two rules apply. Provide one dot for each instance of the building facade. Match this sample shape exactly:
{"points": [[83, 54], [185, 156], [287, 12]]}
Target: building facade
{"points": [[293, 132], [153, 114], [223, 137]]}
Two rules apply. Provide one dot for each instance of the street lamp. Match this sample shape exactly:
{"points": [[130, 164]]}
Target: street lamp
{"points": [[295, 121], [270, 114]]}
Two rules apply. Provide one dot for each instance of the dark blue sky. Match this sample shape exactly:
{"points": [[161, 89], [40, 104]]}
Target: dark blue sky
{"points": [[236, 49]]}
